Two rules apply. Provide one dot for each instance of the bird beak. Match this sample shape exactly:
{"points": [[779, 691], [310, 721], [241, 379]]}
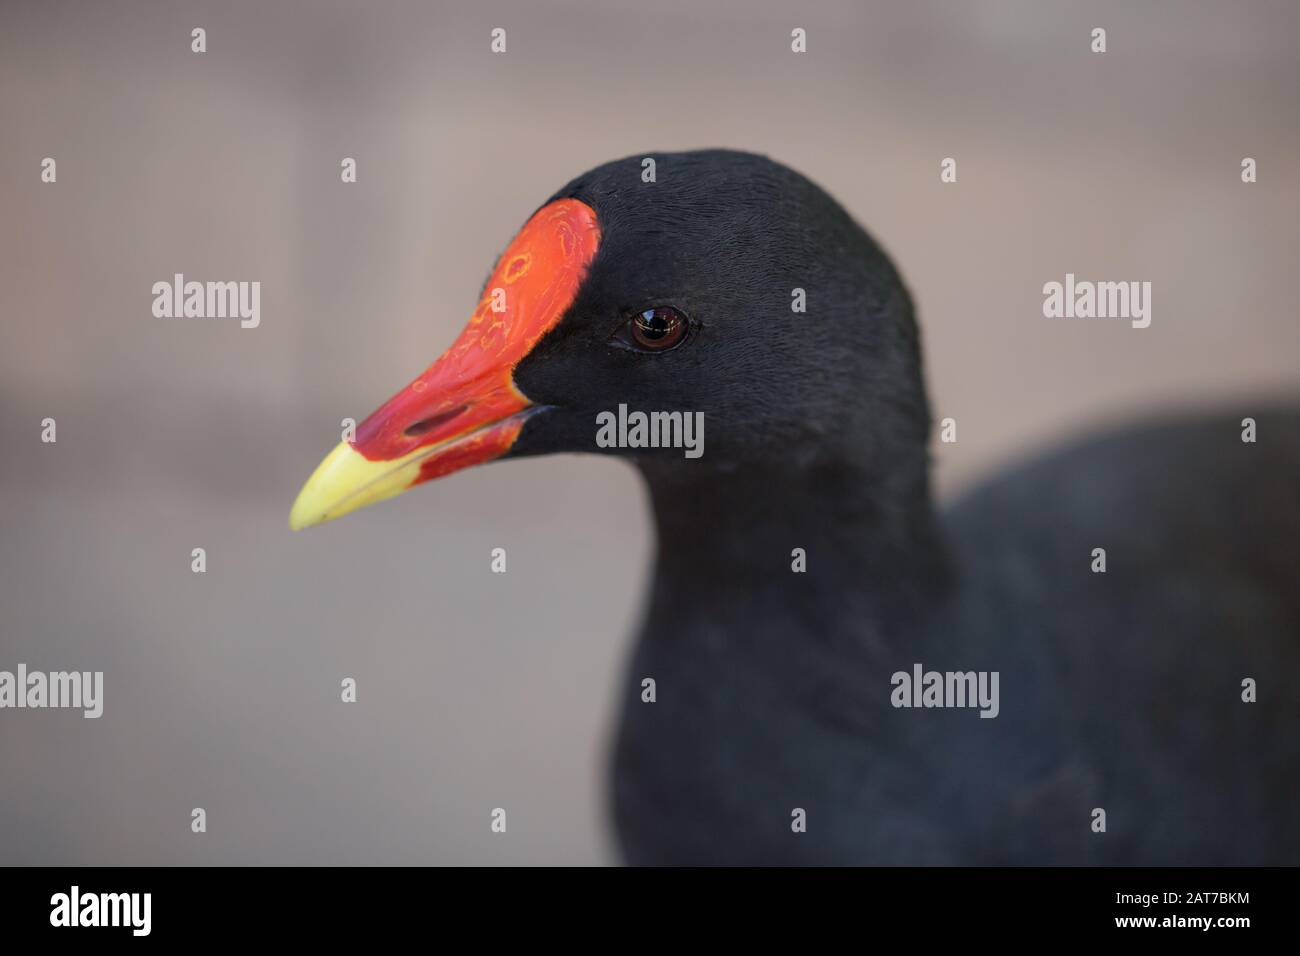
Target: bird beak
{"points": [[465, 409]]}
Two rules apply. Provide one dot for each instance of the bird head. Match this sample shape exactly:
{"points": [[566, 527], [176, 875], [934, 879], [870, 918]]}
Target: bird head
{"points": [[725, 284]]}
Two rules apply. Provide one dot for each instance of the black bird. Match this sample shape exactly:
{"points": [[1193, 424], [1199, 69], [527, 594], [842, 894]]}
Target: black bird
{"points": [[1124, 732]]}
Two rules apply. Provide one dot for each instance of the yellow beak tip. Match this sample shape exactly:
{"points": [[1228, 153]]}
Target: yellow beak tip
{"points": [[346, 481], [306, 510]]}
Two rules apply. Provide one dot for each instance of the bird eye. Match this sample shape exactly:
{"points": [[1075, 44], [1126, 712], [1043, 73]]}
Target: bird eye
{"points": [[654, 330]]}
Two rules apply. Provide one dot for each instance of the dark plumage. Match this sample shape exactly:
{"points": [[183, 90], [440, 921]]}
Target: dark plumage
{"points": [[1118, 690]]}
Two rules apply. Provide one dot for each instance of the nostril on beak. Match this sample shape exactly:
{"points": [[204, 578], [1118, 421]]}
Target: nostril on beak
{"points": [[428, 424]]}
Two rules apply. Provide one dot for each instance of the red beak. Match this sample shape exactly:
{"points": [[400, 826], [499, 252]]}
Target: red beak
{"points": [[465, 408]]}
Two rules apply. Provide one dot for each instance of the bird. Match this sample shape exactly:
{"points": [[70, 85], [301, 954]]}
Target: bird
{"points": [[804, 575]]}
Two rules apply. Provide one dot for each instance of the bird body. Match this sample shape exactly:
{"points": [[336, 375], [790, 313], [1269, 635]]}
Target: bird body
{"points": [[1118, 690], [804, 580]]}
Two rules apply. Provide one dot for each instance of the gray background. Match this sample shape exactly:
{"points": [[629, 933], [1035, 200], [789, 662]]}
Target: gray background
{"points": [[480, 690]]}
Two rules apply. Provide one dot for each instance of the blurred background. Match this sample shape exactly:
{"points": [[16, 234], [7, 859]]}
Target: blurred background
{"points": [[479, 690]]}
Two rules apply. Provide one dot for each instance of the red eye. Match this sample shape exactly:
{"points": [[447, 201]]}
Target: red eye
{"points": [[658, 329]]}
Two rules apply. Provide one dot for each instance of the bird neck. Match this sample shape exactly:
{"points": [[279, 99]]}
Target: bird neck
{"points": [[835, 536]]}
